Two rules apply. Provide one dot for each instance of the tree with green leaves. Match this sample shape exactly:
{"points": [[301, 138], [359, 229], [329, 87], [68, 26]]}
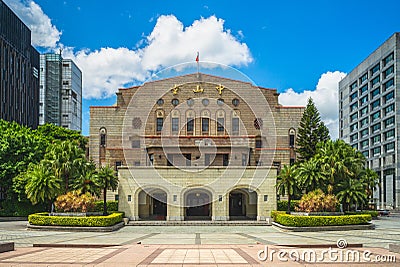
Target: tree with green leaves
{"points": [[311, 131], [286, 183], [309, 175], [107, 180], [42, 185], [370, 180], [85, 180], [352, 192]]}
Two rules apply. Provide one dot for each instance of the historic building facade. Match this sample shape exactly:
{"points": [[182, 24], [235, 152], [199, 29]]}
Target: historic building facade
{"points": [[195, 147]]}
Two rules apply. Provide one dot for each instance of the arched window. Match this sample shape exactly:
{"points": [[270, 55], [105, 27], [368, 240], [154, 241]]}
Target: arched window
{"points": [[175, 121], [205, 122], [103, 137], [292, 134], [220, 122], [159, 121], [235, 122], [190, 115]]}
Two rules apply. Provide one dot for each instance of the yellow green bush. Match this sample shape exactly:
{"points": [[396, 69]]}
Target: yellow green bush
{"points": [[92, 221], [315, 221]]}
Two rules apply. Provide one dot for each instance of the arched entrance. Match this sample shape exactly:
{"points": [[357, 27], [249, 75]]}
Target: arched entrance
{"points": [[242, 204], [153, 204], [198, 204]]}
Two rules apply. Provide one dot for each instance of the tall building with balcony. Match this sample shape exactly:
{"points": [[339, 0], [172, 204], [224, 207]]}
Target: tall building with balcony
{"points": [[19, 71], [60, 92], [195, 146], [369, 116]]}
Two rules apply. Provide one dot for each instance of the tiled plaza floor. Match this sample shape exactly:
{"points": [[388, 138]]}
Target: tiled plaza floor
{"points": [[197, 245]]}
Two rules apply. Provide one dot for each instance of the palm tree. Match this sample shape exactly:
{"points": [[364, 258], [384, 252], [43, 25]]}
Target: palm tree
{"points": [[352, 192], [106, 179], [85, 181], [286, 183], [42, 184], [370, 179], [309, 175]]}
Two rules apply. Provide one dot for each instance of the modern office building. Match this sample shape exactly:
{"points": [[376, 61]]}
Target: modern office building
{"points": [[19, 71], [60, 92], [370, 119], [195, 146]]}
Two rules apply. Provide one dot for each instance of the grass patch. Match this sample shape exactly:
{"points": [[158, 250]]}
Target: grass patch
{"points": [[92, 221]]}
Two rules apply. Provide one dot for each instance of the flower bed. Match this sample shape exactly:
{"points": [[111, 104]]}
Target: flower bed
{"points": [[316, 221], [91, 221]]}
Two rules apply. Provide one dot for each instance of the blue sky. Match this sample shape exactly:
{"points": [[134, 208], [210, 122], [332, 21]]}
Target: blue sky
{"points": [[301, 48]]}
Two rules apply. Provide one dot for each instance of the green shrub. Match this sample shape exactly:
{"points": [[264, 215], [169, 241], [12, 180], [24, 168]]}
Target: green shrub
{"points": [[92, 221], [111, 206], [275, 213], [74, 201], [373, 213], [282, 205], [310, 221]]}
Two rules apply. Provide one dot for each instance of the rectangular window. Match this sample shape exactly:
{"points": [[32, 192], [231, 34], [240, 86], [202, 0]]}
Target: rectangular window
{"points": [[388, 84], [190, 125], [102, 139], [388, 59], [207, 158], [375, 104], [258, 143], [353, 96], [188, 159], [136, 144], [376, 128], [376, 139], [376, 116], [376, 151], [363, 122], [354, 137], [235, 126], [220, 124], [160, 122], [364, 78], [355, 146], [363, 100], [375, 81], [364, 144], [353, 106], [365, 153], [225, 159], [363, 111], [353, 86], [244, 159], [353, 127], [353, 117], [389, 147], [205, 122], [389, 135], [364, 133], [364, 89], [175, 124], [389, 109], [375, 69], [151, 159], [375, 92], [170, 160], [389, 122], [291, 140], [117, 164], [389, 96], [388, 71]]}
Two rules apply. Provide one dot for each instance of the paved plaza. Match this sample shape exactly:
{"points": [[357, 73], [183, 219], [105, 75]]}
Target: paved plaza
{"points": [[186, 245]]}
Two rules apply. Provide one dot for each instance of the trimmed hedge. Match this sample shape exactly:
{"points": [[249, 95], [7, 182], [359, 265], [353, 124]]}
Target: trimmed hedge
{"points": [[111, 206], [373, 213], [43, 218], [312, 221]]}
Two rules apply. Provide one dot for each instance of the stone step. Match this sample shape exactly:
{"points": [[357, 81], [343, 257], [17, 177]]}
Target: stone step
{"points": [[198, 223]]}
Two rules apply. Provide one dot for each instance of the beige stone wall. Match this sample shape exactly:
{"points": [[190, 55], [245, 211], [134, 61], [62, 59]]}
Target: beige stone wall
{"points": [[176, 182]]}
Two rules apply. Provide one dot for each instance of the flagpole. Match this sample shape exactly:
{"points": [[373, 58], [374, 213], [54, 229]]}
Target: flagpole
{"points": [[197, 61]]}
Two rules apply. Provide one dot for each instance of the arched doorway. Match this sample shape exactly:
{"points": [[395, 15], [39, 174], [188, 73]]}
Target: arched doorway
{"points": [[198, 204], [153, 204], [242, 204]]}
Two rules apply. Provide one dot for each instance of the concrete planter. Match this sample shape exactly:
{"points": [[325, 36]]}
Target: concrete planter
{"points": [[76, 214]]}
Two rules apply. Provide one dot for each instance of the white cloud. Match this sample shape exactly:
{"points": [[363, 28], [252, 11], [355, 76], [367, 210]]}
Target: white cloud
{"points": [[325, 97], [169, 43], [44, 33]]}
